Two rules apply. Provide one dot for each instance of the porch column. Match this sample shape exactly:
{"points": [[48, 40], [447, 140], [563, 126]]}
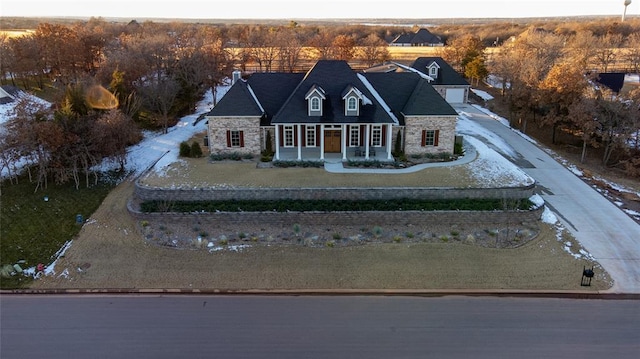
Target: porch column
{"points": [[389, 139], [344, 142], [367, 129], [322, 142], [299, 142], [277, 143]]}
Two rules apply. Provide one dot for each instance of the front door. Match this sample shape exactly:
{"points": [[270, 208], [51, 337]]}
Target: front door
{"points": [[332, 141]]}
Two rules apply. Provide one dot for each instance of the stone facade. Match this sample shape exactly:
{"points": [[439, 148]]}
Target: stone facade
{"points": [[250, 127], [446, 125]]}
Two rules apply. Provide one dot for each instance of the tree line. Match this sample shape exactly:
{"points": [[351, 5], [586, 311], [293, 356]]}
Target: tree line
{"points": [[151, 73]]}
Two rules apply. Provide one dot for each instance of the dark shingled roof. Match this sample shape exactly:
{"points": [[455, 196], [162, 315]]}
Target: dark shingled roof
{"points": [[282, 96], [612, 80], [407, 93], [420, 37], [333, 76], [446, 75]]}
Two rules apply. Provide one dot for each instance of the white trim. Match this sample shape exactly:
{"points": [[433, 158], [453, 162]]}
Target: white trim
{"points": [[375, 128], [255, 98], [378, 98], [291, 129], [306, 136], [409, 68], [354, 129]]}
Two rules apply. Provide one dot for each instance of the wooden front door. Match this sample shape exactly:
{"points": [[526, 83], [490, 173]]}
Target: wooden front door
{"points": [[332, 141]]}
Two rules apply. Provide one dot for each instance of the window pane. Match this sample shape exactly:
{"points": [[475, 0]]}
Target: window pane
{"points": [[235, 138], [355, 136], [376, 136], [430, 138], [311, 136], [288, 136]]}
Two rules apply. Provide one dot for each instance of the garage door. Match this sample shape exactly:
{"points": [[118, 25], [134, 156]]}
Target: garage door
{"points": [[455, 95]]}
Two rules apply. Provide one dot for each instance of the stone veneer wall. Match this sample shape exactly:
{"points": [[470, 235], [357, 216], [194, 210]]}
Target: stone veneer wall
{"points": [[413, 134], [145, 193], [218, 127]]}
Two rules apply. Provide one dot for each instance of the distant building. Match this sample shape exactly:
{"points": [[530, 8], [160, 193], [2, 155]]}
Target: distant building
{"points": [[422, 37]]}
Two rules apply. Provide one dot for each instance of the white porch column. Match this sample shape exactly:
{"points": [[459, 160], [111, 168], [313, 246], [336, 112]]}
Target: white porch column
{"points": [[389, 139], [299, 142], [367, 141], [277, 143], [322, 142], [344, 142]]}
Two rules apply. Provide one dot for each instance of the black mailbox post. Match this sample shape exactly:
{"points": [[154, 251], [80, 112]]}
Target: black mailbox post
{"points": [[587, 274]]}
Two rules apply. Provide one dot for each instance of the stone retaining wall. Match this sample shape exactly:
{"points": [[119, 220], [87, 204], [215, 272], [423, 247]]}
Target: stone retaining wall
{"points": [[369, 218], [145, 193]]}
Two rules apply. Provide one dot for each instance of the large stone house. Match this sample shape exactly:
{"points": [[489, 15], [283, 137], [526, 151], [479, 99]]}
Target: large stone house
{"points": [[332, 112]]}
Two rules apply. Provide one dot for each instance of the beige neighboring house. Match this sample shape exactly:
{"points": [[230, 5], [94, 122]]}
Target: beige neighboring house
{"points": [[332, 112]]}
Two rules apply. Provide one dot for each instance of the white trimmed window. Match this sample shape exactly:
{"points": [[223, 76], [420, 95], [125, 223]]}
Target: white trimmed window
{"points": [[288, 136], [235, 138], [354, 136], [376, 135], [310, 136], [433, 71], [352, 104], [315, 104]]}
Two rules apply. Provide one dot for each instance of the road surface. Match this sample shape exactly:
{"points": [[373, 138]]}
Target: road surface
{"points": [[203, 326]]}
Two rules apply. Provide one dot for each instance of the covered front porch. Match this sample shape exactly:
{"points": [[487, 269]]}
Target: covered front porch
{"points": [[344, 142], [352, 154]]}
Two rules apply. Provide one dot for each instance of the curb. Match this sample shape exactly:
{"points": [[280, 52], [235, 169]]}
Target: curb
{"points": [[332, 292]]}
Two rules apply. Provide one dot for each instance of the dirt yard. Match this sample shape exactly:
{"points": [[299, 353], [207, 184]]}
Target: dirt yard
{"points": [[111, 252]]}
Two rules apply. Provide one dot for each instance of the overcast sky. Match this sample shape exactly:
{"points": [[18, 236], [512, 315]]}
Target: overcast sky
{"points": [[325, 9]]}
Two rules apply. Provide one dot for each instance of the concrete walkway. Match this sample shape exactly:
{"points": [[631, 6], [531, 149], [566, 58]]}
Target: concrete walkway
{"points": [[469, 155]]}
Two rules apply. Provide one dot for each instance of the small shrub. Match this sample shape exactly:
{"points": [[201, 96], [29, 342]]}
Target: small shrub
{"points": [[224, 242], [296, 229], [409, 235], [185, 149], [337, 236], [254, 239], [445, 239], [455, 233], [203, 234], [331, 244], [377, 231], [397, 239], [196, 151], [242, 235], [144, 224]]}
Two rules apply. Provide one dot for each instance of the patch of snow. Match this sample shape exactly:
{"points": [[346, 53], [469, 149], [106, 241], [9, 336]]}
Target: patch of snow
{"points": [[51, 268], [482, 94], [548, 216], [537, 201]]}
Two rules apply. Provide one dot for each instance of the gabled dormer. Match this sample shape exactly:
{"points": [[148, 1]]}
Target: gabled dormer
{"points": [[352, 98], [433, 69], [315, 97]]}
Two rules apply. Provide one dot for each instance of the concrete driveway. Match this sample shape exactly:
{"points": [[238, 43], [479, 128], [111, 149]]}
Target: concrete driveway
{"points": [[603, 229]]}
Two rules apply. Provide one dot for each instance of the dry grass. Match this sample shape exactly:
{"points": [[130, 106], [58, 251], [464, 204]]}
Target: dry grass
{"points": [[111, 253]]}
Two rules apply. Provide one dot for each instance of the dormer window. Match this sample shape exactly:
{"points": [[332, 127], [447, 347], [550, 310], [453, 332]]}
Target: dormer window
{"points": [[314, 98], [315, 104], [352, 104], [352, 98], [433, 70]]}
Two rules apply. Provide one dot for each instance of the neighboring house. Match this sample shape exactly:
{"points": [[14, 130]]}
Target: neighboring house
{"points": [[331, 112], [614, 81], [444, 79], [422, 37]]}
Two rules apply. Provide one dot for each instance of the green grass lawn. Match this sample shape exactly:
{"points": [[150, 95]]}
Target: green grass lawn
{"points": [[33, 230]]}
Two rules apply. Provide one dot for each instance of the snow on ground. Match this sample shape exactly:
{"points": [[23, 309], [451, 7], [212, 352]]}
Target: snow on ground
{"points": [[483, 94]]}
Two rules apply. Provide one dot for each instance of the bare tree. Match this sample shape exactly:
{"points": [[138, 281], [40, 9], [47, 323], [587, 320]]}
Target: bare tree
{"points": [[373, 50]]}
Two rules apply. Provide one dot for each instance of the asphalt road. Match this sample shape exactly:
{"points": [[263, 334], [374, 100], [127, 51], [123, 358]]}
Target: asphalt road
{"points": [[603, 229], [188, 326]]}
